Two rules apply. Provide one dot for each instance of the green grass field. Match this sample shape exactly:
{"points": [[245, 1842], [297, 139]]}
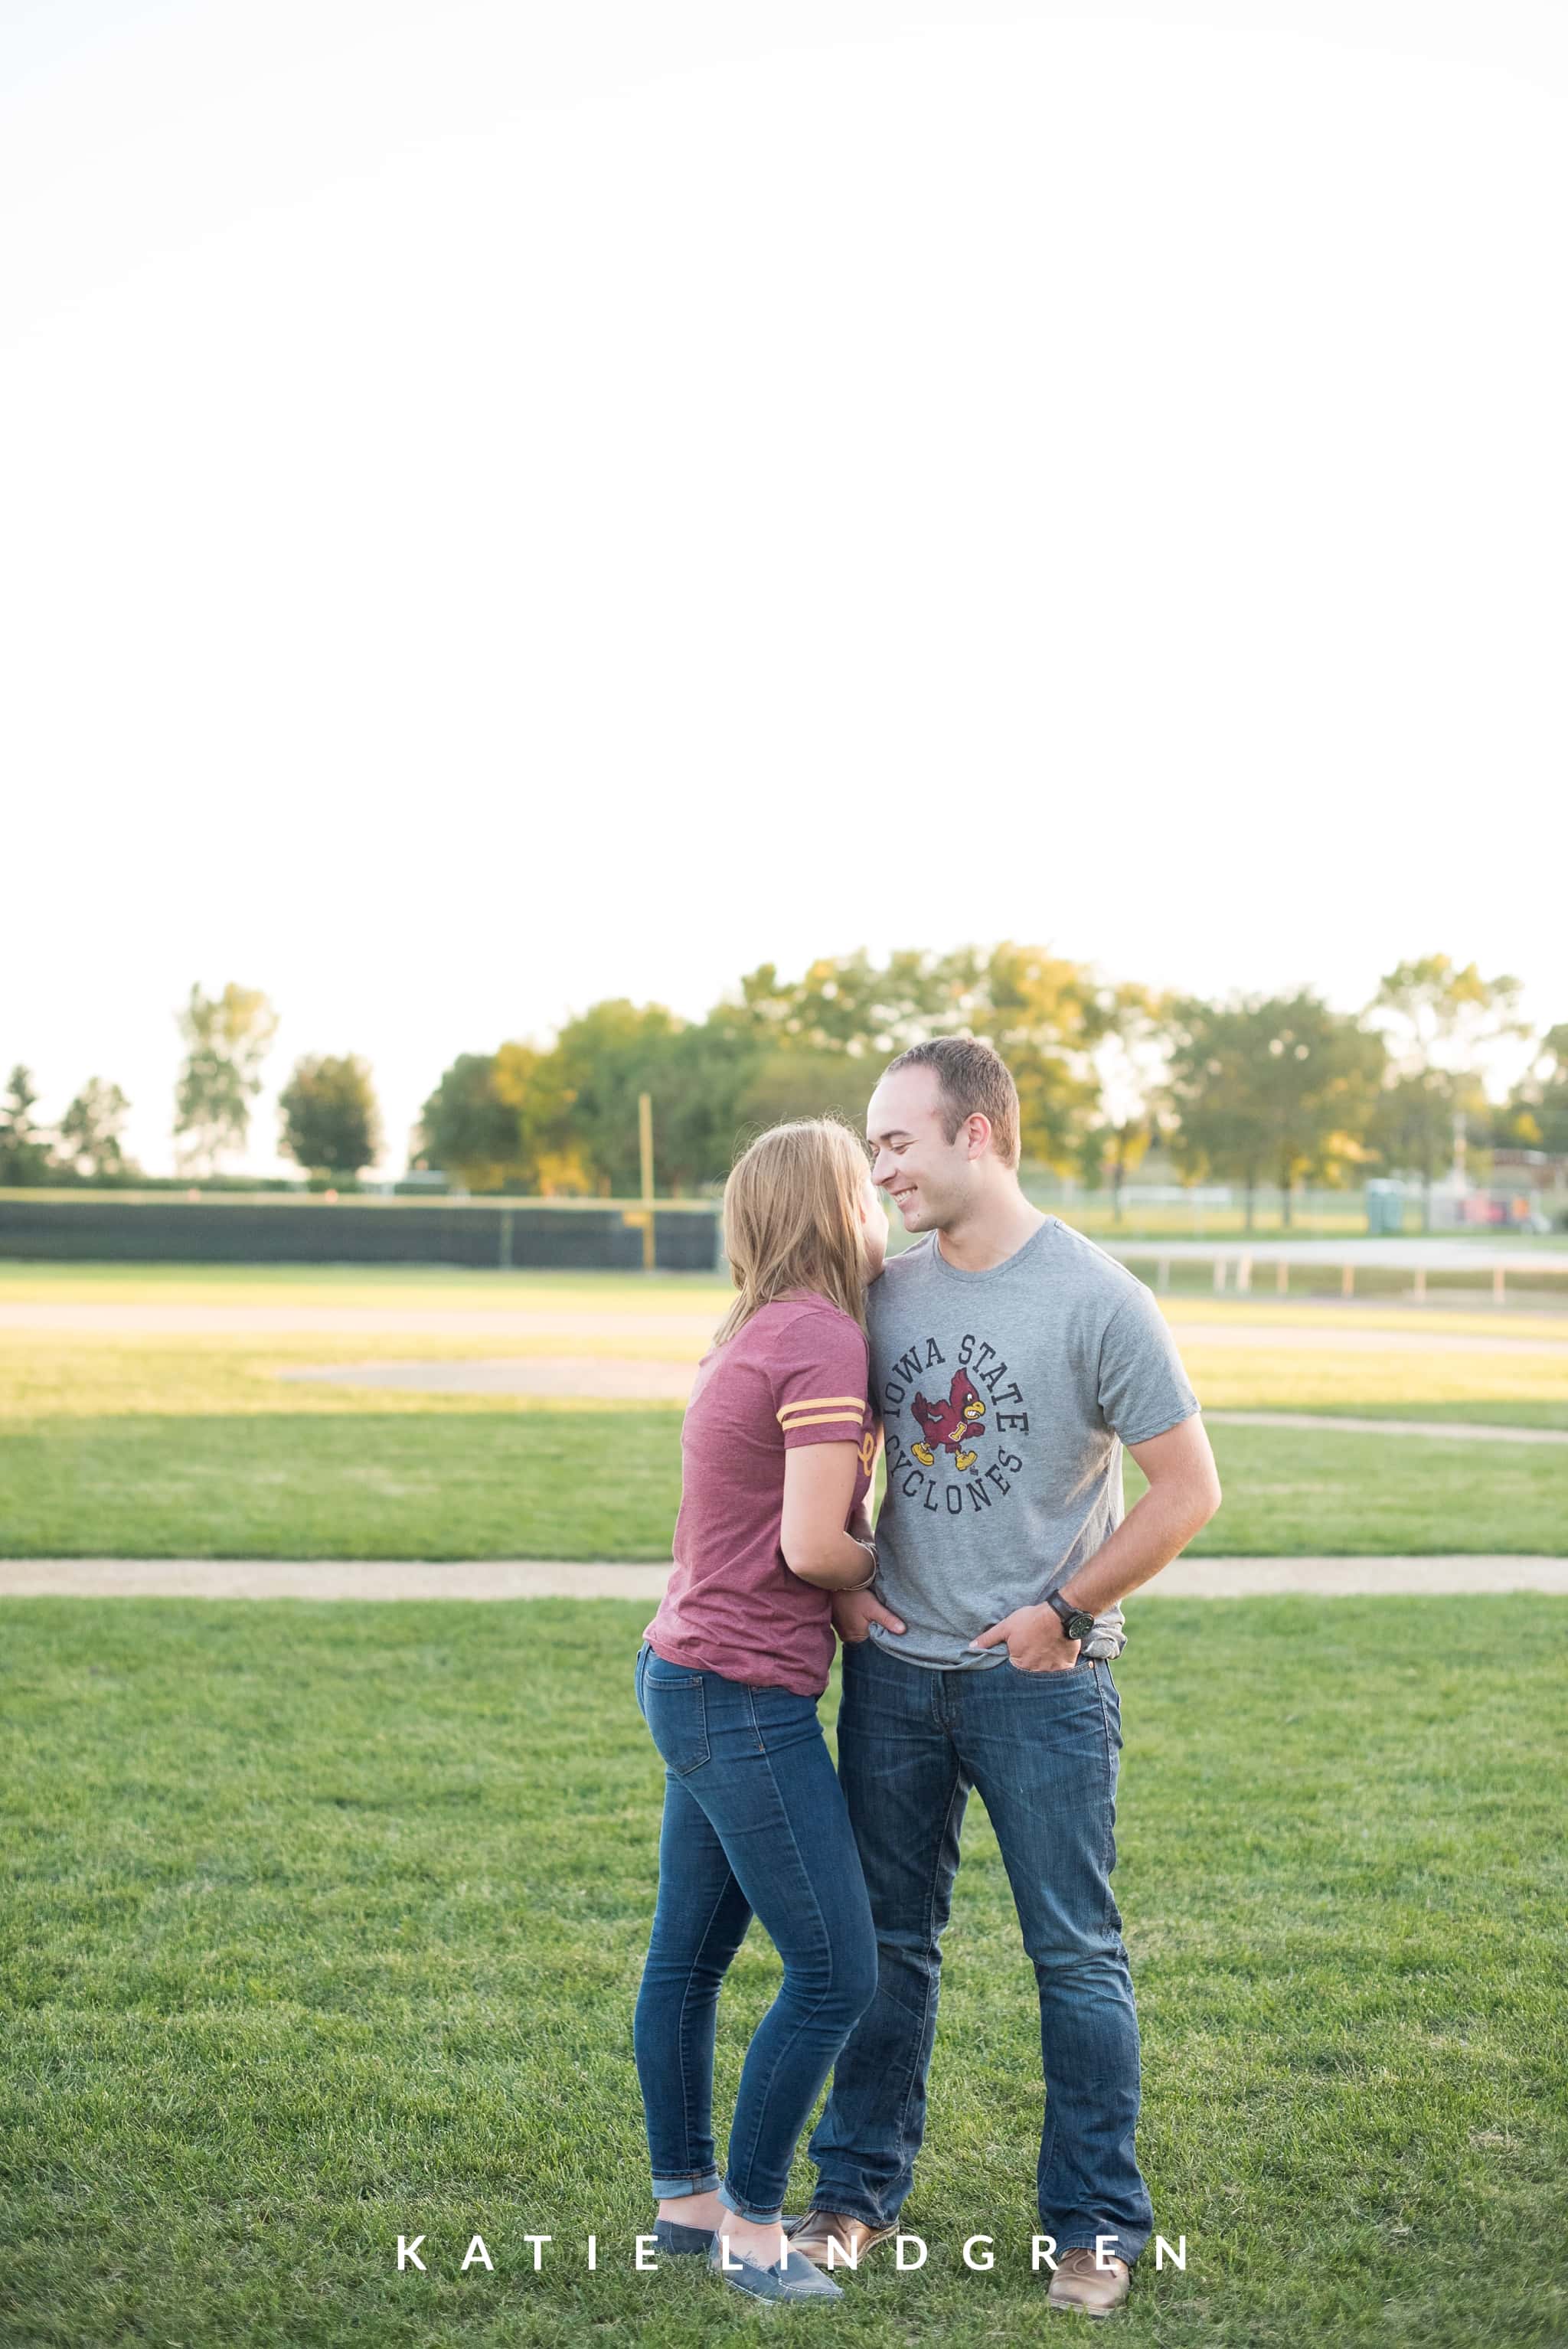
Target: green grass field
{"points": [[149, 1441], [324, 1924], [605, 1484]]}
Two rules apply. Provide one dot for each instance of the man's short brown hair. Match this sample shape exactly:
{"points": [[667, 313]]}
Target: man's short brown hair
{"points": [[973, 1077]]}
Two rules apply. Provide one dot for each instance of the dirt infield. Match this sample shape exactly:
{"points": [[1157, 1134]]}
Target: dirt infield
{"points": [[600, 1377], [229, 1320], [1230, 1578], [604, 1378], [689, 1332]]}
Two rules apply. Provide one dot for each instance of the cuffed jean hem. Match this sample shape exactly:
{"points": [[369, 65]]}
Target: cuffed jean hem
{"points": [[848, 2206], [695, 2181], [742, 2210], [1116, 2245]]}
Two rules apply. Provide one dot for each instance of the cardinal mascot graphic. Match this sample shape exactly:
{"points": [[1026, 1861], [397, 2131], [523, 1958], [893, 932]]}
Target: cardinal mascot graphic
{"points": [[946, 1423]]}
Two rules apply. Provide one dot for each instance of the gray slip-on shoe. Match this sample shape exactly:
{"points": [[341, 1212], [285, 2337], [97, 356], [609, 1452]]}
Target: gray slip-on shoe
{"points": [[671, 2236], [791, 2278]]}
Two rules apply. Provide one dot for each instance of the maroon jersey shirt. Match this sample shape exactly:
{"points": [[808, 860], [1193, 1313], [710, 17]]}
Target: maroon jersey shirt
{"points": [[796, 1372]]}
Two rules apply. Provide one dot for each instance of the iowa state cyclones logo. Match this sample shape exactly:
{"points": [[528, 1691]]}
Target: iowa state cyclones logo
{"points": [[944, 1423], [954, 1423]]}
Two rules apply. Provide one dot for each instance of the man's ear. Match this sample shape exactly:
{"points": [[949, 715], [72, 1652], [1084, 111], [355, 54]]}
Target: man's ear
{"points": [[979, 1134]]}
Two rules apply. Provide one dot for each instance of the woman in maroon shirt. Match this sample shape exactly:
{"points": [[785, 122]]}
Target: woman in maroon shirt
{"points": [[778, 1448]]}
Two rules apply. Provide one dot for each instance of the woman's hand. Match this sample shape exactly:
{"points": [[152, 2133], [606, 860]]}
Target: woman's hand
{"points": [[854, 1612]]}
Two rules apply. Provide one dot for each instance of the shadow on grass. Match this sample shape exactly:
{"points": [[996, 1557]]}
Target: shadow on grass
{"points": [[487, 1483]]}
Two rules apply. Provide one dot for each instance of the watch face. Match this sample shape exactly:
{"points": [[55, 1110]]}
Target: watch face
{"points": [[1078, 1625]]}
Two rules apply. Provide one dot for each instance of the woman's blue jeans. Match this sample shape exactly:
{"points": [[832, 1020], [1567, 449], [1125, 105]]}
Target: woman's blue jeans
{"points": [[755, 1824]]}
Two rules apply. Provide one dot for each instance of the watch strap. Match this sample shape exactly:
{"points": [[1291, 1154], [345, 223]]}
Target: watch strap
{"points": [[1064, 1609]]}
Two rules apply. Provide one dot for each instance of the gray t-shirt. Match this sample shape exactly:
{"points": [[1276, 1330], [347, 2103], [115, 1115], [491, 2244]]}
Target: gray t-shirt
{"points": [[1006, 1396]]}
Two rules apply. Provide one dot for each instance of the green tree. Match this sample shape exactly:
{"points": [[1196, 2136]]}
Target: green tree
{"points": [[1438, 1018], [1536, 1114], [227, 1037], [330, 1124], [603, 1059], [1222, 1126], [565, 1119], [1418, 1116], [535, 1088], [705, 1104], [25, 1153], [786, 1084], [90, 1132], [1277, 1086], [468, 1129], [1130, 1065], [1045, 1015], [813, 1047], [847, 1004]]}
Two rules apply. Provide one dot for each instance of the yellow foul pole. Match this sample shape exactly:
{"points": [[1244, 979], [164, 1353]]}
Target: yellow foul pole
{"points": [[645, 1144]]}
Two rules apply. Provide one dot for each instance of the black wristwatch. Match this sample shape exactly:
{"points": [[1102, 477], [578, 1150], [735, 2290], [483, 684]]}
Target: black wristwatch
{"points": [[1075, 1622]]}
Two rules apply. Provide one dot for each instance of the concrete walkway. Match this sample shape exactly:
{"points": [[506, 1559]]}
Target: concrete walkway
{"points": [[685, 1336], [600, 1377], [1428, 1253], [1227, 1577], [1291, 1337], [1453, 1430]]}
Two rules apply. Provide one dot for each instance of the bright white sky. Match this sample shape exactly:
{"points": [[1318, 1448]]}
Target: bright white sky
{"points": [[508, 504]]}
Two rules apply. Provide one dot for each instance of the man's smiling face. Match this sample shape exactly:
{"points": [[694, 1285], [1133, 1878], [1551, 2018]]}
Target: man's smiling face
{"points": [[928, 1178]]}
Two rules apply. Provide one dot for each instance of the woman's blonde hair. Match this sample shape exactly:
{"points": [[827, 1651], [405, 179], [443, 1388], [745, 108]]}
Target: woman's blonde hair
{"points": [[793, 1219]]}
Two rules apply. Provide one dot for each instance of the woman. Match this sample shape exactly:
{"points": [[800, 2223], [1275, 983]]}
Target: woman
{"points": [[777, 1452]]}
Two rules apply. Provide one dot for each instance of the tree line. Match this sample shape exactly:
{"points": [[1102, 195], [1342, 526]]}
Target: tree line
{"points": [[329, 1123], [1257, 1090]]}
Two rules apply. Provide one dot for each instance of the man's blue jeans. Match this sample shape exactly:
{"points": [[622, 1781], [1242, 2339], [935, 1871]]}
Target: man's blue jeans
{"points": [[1043, 1748], [754, 1823]]}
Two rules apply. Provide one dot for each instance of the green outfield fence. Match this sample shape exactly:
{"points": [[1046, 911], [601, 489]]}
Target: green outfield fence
{"points": [[501, 1233], [261, 1227]]}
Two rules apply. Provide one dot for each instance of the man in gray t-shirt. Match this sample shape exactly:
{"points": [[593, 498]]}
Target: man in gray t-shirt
{"points": [[1007, 1395], [1011, 1360]]}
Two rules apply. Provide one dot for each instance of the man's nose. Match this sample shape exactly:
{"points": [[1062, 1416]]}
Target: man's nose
{"points": [[878, 1176]]}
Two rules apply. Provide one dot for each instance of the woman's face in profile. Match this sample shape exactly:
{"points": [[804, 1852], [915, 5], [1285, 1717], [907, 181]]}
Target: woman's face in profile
{"points": [[874, 1222]]}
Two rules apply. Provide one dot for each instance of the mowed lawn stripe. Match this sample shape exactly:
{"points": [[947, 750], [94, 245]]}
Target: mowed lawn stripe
{"points": [[605, 1484]]}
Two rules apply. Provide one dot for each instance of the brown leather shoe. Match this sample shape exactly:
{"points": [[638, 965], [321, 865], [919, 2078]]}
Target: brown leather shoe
{"points": [[818, 2229], [1093, 2290]]}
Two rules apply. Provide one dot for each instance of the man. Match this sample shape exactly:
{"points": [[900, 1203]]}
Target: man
{"points": [[1011, 1360]]}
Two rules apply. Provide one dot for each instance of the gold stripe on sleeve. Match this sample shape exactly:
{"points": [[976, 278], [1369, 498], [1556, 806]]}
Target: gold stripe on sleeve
{"points": [[822, 1419], [821, 1402]]}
